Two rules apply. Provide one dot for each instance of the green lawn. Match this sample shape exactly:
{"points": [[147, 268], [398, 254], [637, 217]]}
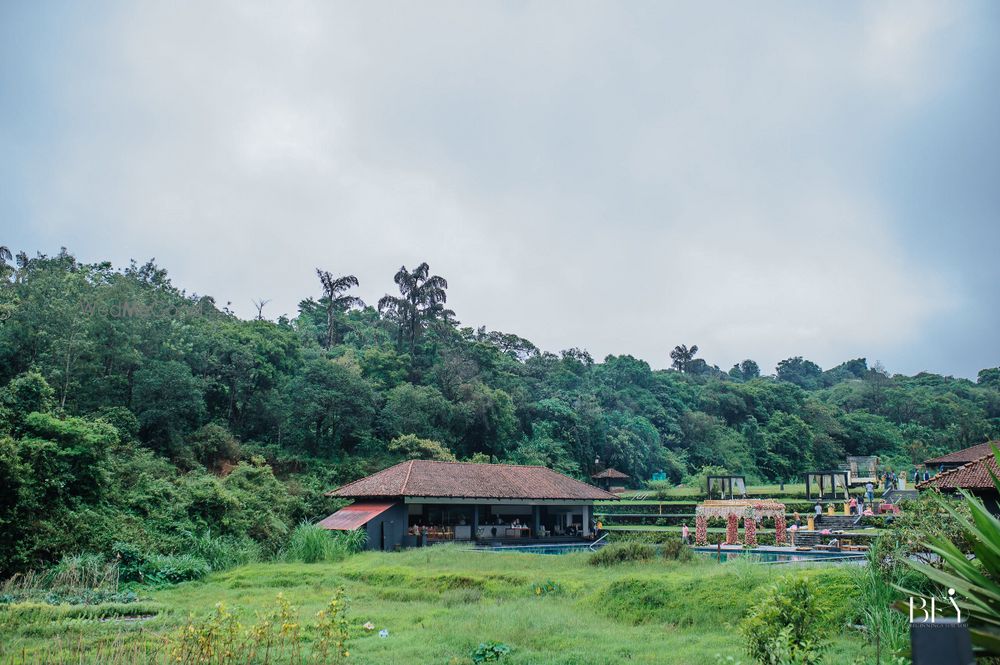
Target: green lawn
{"points": [[439, 603]]}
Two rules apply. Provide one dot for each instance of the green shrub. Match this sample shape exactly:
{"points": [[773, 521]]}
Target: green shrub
{"points": [[346, 543], [659, 488], [624, 552], [489, 652], [174, 568], [786, 626], [157, 569], [673, 548]]}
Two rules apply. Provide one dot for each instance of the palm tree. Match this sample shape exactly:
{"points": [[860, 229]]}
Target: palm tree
{"points": [[335, 299], [682, 356], [422, 299]]}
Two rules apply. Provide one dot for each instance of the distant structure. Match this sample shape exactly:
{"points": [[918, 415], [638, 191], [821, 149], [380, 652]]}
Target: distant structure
{"points": [[726, 486], [611, 480], [862, 470], [828, 484], [961, 457], [422, 500], [973, 477]]}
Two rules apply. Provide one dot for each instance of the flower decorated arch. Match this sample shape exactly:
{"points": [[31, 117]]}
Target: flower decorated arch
{"points": [[732, 511]]}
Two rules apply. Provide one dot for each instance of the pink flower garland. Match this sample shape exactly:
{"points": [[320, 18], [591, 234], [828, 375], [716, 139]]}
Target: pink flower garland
{"points": [[732, 529], [750, 531], [779, 530], [700, 530]]}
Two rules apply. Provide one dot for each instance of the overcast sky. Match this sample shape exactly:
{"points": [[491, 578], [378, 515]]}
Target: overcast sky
{"points": [[761, 179]]}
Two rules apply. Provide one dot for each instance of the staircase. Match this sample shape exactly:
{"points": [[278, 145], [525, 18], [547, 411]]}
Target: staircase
{"points": [[810, 539], [835, 522], [832, 522]]}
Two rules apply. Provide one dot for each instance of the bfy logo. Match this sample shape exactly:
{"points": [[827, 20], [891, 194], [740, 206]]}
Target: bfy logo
{"points": [[931, 614]]}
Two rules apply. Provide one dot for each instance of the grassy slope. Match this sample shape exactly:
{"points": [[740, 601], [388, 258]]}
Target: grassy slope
{"points": [[439, 603]]}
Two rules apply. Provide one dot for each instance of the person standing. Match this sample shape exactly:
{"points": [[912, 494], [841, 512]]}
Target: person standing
{"points": [[685, 535], [818, 508], [869, 492], [853, 503]]}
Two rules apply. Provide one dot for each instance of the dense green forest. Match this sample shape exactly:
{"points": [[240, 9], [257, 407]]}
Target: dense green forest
{"points": [[134, 413]]}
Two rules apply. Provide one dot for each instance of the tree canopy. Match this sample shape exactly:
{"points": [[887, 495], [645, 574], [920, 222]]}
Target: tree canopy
{"points": [[153, 412]]}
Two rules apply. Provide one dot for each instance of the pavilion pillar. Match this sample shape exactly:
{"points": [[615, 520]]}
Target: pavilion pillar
{"points": [[749, 531], [475, 520], [732, 529], [700, 530], [780, 529], [536, 520]]}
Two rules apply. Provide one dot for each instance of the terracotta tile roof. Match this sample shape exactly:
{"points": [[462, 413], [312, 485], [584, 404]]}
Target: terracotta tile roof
{"points": [[351, 517], [610, 473], [470, 481], [971, 476], [965, 455]]}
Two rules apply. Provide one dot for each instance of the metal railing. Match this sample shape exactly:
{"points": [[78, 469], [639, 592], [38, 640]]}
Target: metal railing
{"points": [[595, 543]]}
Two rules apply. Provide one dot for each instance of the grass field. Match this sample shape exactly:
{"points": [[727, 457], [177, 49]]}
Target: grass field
{"points": [[439, 603]]}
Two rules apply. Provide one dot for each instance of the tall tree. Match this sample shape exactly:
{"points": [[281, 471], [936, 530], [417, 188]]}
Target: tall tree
{"points": [[5, 256], [336, 299], [682, 356], [803, 373], [422, 298], [745, 370]]}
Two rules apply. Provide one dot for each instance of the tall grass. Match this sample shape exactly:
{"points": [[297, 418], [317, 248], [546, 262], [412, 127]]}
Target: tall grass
{"points": [[223, 552], [83, 579], [311, 544], [280, 635], [886, 628]]}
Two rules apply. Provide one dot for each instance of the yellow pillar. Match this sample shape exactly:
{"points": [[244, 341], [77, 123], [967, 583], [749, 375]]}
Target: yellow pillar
{"points": [[847, 508], [811, 523], [829, 510]]}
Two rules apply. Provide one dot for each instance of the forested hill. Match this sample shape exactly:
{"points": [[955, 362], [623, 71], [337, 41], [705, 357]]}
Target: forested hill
{"points": [[134, 412]]}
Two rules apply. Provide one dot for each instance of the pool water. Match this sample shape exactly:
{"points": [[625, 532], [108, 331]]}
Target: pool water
{"points": [[780, 557], [540, 549], [759, 557]]}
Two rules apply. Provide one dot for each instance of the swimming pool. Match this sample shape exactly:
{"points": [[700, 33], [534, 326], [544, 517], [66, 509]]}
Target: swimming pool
{"points": [[538, 549], [782, 557]]}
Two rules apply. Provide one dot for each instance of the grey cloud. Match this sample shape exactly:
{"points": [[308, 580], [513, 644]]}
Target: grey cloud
{"points": [[619, 177]]}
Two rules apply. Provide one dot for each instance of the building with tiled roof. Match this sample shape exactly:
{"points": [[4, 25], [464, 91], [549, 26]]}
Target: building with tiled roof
{"points": [[973, 477], [422, 500], [610, 473], [610, 479], [961, 457]]}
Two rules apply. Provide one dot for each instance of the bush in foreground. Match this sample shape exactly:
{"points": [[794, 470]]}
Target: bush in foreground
{"points": [[786, 626], [617, 553]]}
